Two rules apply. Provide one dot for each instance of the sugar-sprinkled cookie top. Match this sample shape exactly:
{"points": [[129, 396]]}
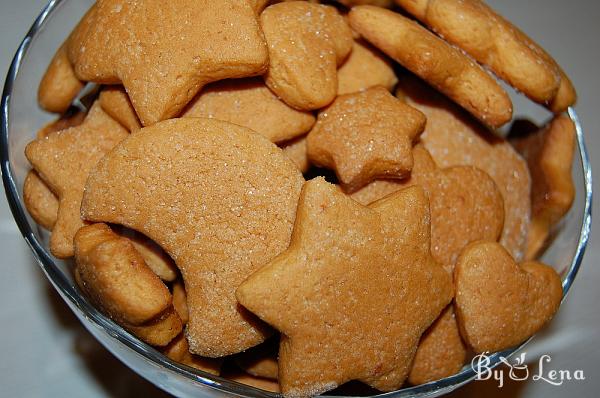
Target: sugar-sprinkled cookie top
{"points": [[165, 51], [348, 294], [219, 198], [365, 135], [63, 160]]}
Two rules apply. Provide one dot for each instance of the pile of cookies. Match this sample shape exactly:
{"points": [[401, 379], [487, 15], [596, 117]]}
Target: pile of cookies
{"points": [[192, 196]]}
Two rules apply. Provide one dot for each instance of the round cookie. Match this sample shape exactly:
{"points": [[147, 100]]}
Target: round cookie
{"points": [[455, 139], [219, 199]]}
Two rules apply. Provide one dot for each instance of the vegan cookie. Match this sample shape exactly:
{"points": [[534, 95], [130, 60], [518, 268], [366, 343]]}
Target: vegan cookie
{"points": [[339, 282], [165, 52], [63, 160], [219, 199], [364, 136], [250, 103], [500, 303], [307, 42], [429, 57]]}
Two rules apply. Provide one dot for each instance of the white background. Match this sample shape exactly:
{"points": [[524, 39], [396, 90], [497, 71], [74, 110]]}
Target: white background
{"points": [[46, 353]]}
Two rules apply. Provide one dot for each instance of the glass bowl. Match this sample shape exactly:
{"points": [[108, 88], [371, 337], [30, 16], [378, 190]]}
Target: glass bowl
{"points": [[21, 118]]}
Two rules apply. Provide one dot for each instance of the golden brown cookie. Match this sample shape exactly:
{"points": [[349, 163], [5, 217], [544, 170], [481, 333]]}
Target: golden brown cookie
{"points": [[155, 257], [178, 350], [378, 3], [199, 188], [365, 67], [441, 65], [566, 95], [59, 85], [549, 153], [260, 361], [306, 44], [250, 103], [164, 52], [465, 204], [115, 277], [364, 136], [498, 302], [63, 160], [253, 381], [441, 352], [69, 119], [40, 201], [180, 301], [115, 101], [258, 5], [493, 41], [296, 151], [336, 286], [453, 139]]}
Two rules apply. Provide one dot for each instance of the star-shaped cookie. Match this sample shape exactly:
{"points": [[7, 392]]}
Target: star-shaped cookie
{"points": [[354, 291], [63, 160], [364, 136], [163, 52]]}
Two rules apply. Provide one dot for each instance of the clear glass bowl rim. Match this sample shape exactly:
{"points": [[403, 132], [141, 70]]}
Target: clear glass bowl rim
{"points": [[68, 292]]}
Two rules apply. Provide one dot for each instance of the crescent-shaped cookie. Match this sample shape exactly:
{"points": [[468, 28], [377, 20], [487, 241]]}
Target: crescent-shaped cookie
{"points": [[218, 198]]}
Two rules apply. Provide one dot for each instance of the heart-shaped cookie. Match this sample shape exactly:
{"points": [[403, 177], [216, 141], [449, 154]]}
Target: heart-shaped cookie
{"points": [[498, 302]]}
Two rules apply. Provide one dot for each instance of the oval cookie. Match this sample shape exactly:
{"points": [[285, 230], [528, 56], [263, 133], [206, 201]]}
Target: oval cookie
{"points": [[453, 138]]}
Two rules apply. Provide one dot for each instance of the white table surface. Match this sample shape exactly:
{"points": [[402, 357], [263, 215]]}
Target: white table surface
{"points": [[47, 353]]}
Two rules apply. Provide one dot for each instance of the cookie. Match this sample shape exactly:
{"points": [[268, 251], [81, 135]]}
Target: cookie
{"points": [[378, 3], [180, 301], [199, 189], [253, 381], [429, 57], [441, 351], [40, 201], [260, 361], [178, 350], [63, 160], [453, 139], [249, 103], [258, 5], [549, 153], [364, 136], [154, 256], [307, 42], [69, 119], [465, 204], [115, 277], [566, 95], [493, 41], [115, 102], [59, 85], [500, 303], [330, 293], [296, 150], [165, 52], [365, 67]]}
